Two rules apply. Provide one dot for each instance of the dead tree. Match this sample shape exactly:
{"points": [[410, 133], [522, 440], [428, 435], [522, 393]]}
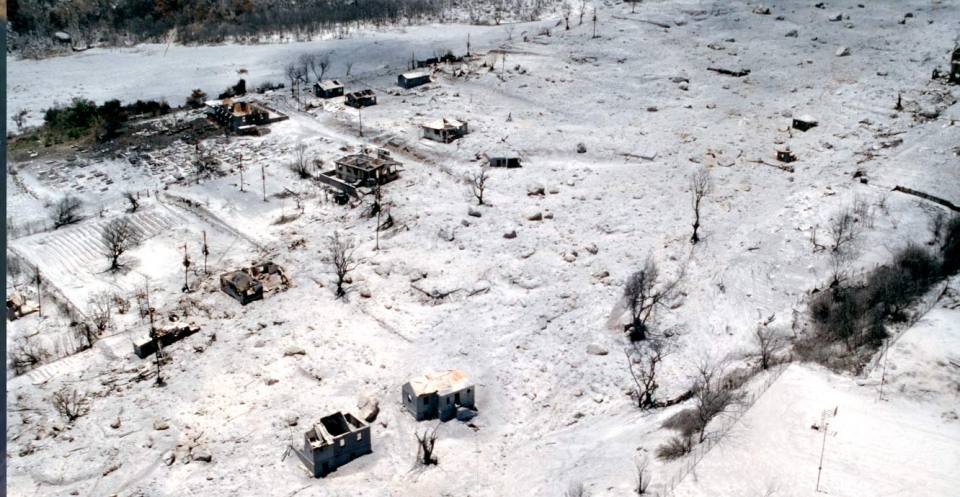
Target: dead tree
{"points": [[425, 446], [478, 184], [341, 254], [206, 252], [643, 296], [768, 342], [711, 396], [700, 186], [157, 349], [186, 262], [583, 10], [301, 164], [66, 211], [70, 404], [133, 200], [643, 476], [26, 355], [119, 236], [843, 230], [566, 8], [20, 118], [642, 363], [100, 312]]}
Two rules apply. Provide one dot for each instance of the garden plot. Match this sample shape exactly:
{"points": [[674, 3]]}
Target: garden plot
{"points": [[72, 258]]}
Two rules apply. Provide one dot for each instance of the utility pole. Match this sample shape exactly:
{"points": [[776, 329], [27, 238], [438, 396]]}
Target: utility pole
{"points": [[824, 425], [594, 22], [36, 270], [263, 180], [468, 44], [206, 252], [379, 209], [186, 266], [155, 337], [360, 116], [240, 156]]}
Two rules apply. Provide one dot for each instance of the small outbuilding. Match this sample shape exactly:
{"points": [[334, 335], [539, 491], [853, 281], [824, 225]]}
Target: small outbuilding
{"points": [[336, 440], [444, 130], [362, 98], [249, 284], [502, 158], [438, 395], [413, 79], [366, 169], [329, 88], [804, 122], [784, 154]]}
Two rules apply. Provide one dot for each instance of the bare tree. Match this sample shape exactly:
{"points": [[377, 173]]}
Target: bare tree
{"points": [[643, 296], [643, 476], [70, 404], [66, 211], [26, 355], [341, 254], [843, 230], [119, 236], [700, 186], [349, 66], [478, 183], [100, 312], [20, 118], [711, 395], [769, 342], [642, 363], [133, 200], [566, 9], [936, 224], [425, 445], [301, 164], [583, 10], [308, 64]]}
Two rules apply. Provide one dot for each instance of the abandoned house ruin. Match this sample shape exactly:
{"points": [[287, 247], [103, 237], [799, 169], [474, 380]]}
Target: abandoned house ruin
{"points": [[502, 158], [438, 395], [444, 130], [362, 98], [18, 306], [367, 170], [336, 440], [145, 346], [241, 116], [251, 283], [328, 88], [447, 58], [804, 122], [413, 79]]}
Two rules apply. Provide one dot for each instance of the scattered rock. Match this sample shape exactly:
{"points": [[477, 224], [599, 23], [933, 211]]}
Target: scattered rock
{"points": [[581, 148], [417, 275], [843, 51], [445, 235], [510, 235], [548, 215], [595, 349], [365, 292], [535, 216], [762, 10], [473, 212], [168, 457], [271, 381], [115, 423], [592, 248], [652, 108], [160, 425], [535, 189], [201, 454], [291, 419], [836, 17], [684, 86], [294, 350], [793, 33], [369, 408], [570, 256], [601, 275]]}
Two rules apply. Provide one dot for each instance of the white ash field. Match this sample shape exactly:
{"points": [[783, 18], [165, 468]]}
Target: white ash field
{"points": [[448, 290]]}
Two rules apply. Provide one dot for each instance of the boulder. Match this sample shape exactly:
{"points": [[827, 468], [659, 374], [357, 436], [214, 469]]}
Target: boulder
{"points": [[168, 457], [201, 454], [294, 350], [510, 235], [581, 148], [369, 408], [843, 51], [160, 425], [535, 216], [473, 212], [535, 189], [595, 349]]}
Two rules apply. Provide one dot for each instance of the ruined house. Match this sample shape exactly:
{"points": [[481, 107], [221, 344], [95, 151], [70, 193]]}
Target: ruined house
{"points": [[413, 79], [18, 306], [336, 440], [955, 67], [446, 58], [362, 98], [804, 122], [367, 169], [241, 115], [251, 283], [145, 346], [784, 154], [444, 130], [438, 395], [328, 88], [502, 158]]}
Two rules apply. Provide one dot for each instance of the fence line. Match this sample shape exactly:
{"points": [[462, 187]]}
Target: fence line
{"points": [[702, 449]]}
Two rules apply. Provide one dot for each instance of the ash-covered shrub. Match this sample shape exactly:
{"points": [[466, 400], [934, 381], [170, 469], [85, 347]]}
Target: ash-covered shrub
{"points": [[685, 422], [675, 448]]}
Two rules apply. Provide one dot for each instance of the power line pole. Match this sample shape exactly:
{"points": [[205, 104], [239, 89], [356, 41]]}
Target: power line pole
{"points": [[206, 252], [186, 266], [36, 270], [824, 425], [240, 156], [263, 180]]}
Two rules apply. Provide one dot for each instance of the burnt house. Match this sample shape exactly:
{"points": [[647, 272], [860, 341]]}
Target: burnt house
{"points": [[444, 130], [362, 98], [336, 440], [446, 58], [328, 88], [366, 170], [241, 115], [249, 284], [502, 158], [438, 395], [413, 79], [145, 346], [804, 122]]}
